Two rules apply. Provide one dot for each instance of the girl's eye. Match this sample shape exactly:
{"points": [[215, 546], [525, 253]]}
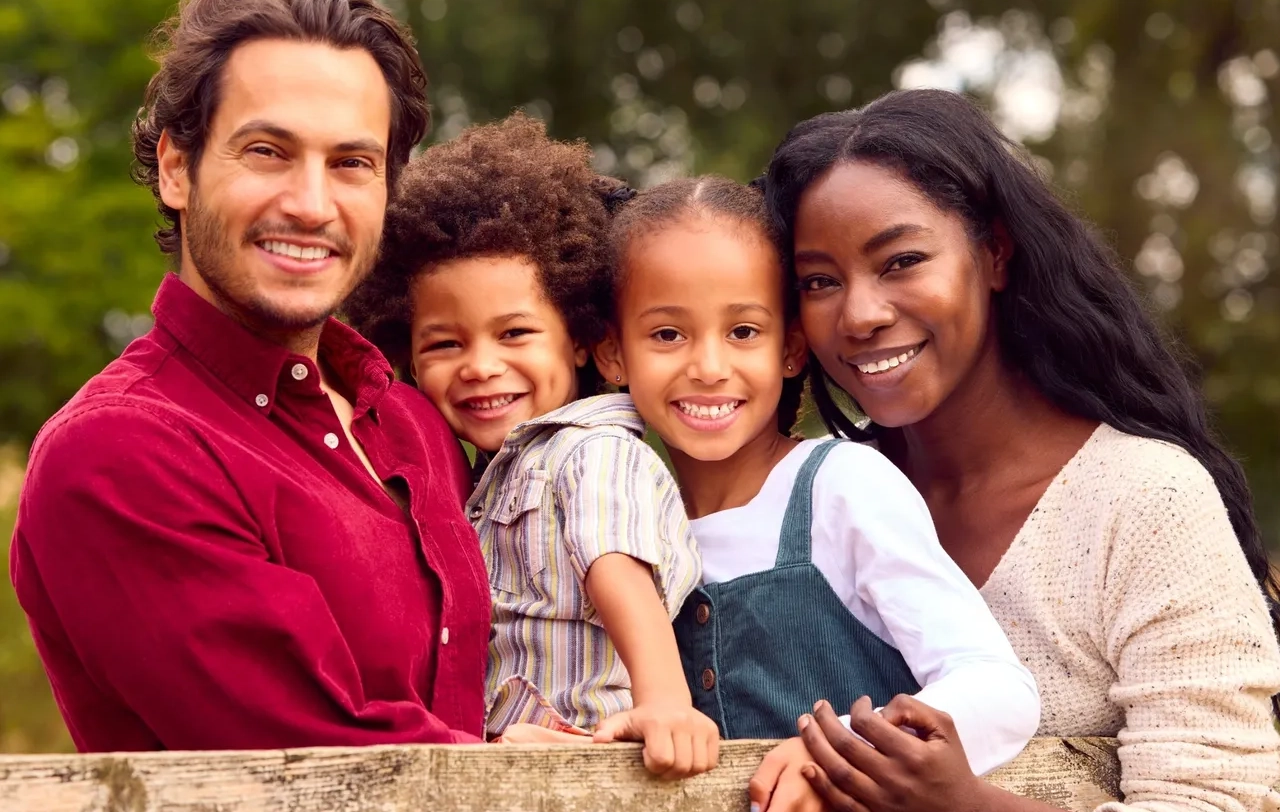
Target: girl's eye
{"points": [[903, 261], [517, 332], [667, 335], [744, 332], [817, 282]]}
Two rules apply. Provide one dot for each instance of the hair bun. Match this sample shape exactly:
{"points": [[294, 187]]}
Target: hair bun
{"points": [[757, 183], [614, 200]]}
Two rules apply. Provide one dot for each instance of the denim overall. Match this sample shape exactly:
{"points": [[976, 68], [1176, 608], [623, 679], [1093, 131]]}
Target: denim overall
{"points": [[758, 651]]}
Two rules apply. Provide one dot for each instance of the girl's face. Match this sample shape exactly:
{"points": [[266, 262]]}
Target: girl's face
{"points": [[895, 298], [702, 336], [488, 348]]}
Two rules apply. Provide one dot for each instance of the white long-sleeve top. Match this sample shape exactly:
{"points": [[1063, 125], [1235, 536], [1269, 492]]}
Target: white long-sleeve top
{"points": [[874, 542]]}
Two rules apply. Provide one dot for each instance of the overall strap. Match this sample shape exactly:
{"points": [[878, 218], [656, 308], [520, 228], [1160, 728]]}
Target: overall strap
{"points": [[794, 545]]}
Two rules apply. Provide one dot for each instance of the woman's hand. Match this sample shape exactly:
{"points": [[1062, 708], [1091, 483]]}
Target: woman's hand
{"points": [[678, 740], [892, 770], [779, 785]]}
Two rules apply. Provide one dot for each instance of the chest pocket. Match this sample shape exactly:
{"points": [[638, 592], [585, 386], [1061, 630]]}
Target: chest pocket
{"points": [[522, 531]]}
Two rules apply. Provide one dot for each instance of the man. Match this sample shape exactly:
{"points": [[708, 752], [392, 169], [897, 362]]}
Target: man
{"points": [[242, 533]]}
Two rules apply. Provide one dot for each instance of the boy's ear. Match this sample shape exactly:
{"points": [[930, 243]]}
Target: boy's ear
{"points": [[795, 351], [608, 355], [580, 356]]}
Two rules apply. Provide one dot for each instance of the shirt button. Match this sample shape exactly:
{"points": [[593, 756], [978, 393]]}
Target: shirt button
{"points": [[444, 636], [331, 440], [704, 612], [477, 512], [708, 679], [299, 372], [262, 401]]}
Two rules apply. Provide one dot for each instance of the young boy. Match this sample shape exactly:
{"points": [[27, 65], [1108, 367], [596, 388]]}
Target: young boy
{"points": [[490, 295]]}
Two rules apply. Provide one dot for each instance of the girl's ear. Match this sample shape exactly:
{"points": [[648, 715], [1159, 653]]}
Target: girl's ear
{"points": [[1001, 247], [608, 355], [795, 351]]}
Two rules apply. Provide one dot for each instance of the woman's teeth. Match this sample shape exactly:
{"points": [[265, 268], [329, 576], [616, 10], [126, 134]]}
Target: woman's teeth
{"points": [[888, 363], [708, 412], [490, 403], [292, 251]]}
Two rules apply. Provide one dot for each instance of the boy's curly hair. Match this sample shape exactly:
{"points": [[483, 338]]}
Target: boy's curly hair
{"points": [[502, 189]]}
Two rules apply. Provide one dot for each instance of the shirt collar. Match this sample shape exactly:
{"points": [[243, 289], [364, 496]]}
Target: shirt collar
{"points": [[253, 367], [593, 412]]}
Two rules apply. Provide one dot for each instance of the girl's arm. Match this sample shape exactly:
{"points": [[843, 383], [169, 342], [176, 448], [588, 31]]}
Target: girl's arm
{"points": [[630, 541], [906, 584]]}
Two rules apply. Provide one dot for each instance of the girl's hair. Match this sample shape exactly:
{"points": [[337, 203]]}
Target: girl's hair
{"points": [[1068, 319], [709, 196], [497, 190]]}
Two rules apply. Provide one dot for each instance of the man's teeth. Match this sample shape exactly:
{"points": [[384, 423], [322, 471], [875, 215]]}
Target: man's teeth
{"points": [[288, 249], [887, 363], [491, 403], [708, 412]]}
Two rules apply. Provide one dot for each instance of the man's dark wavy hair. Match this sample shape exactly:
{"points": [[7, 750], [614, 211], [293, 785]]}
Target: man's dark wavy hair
{"points": [[1069, 319]]}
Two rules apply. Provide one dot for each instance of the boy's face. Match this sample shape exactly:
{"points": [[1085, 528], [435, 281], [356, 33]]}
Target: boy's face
{"points": [[488, 348]]}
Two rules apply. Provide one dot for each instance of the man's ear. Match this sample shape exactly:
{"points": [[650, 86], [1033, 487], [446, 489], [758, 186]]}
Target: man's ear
{"points": [[795, 350], [175, 175], [1001, 247], [608, 355]]}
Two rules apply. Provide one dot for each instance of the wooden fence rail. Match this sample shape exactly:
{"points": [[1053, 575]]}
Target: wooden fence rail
{"points": [[1076, 774]]}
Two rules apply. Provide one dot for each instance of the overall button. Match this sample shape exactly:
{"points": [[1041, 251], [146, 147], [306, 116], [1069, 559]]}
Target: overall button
{"points": [[299, 372], [704, 613], [708, 679]]}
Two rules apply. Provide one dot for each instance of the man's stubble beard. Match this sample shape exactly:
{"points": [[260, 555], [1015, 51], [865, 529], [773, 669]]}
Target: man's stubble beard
{"points": [[214, 256]]}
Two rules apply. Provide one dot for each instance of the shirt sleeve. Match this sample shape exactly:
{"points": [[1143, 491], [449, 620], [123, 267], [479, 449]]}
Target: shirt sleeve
{"points": [[619, 497], [931, 611], [1195, 656], [154, 572]]}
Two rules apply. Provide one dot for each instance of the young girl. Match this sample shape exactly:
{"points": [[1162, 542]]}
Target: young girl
{"points": [[822, 575], [487, 294]]}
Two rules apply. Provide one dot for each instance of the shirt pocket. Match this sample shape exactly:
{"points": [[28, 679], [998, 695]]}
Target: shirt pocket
{"points": [[522, 528]]}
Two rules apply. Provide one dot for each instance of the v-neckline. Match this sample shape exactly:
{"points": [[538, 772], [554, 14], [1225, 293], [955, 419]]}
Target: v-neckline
{"points": [[1055, 485]]}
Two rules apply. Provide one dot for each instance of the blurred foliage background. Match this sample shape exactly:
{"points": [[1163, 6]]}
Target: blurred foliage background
{"points": [[1157, 118]]}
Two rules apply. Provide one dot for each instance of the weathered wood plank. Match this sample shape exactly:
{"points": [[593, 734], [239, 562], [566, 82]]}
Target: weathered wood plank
{"points": [[1076, 774]]}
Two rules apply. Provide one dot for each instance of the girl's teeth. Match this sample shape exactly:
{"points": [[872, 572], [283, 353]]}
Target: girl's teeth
{"points": [[292, 251], [888, 363], [708, 412], [491, 403]]}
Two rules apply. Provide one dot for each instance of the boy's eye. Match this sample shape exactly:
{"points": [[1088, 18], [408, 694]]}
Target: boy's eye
{"points": [[447, 344], [667, 335], [744, 332]]}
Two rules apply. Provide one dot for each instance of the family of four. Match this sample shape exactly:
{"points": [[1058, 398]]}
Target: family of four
{"points": [[257, 527]]}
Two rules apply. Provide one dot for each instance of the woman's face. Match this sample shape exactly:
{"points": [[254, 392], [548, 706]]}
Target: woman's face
{"points": [[895, 299]]}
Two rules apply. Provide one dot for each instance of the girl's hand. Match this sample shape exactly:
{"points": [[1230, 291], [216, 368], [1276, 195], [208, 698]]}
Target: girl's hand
{"points": [[892, 771], [678, 740], [524, 733], [779, 785]]}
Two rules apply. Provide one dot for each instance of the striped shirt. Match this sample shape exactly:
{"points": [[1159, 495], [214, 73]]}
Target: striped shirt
{"points": [[565, 489]]}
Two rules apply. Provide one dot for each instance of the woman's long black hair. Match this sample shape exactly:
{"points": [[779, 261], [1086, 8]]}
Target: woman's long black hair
{"points": [[1068, 318]]}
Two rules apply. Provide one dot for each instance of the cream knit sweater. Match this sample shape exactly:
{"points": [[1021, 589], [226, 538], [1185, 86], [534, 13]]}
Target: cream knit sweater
{"points": [[1127, 596]]}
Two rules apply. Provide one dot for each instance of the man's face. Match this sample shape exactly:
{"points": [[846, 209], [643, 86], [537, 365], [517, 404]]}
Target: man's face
{"points": [[282, 217]]}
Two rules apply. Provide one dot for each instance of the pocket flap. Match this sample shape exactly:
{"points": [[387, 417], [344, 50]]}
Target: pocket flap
{"points": [[518, 496]]}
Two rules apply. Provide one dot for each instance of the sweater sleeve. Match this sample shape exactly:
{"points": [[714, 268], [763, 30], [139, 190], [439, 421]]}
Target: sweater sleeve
{"points": [[1186, 630]]}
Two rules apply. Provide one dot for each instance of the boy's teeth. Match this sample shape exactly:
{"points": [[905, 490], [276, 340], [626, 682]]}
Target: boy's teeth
{"points": [[292, 251], [888, 363], [708, 412], [490, 403]]}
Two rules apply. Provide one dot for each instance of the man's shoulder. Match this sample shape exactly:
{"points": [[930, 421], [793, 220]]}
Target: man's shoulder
{"points": [[403, 402]]}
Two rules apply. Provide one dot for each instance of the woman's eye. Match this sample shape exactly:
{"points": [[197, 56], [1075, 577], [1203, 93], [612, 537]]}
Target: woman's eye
{"points": [[744, 332], [667, 335], [904, 261], [815, 283]]}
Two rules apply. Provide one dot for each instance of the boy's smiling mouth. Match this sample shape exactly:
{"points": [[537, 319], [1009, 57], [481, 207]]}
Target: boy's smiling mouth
{"points": [[489, 407]]}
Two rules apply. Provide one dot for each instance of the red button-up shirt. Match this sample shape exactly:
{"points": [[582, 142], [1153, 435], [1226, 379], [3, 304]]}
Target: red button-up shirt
{"points": [[206, 563]]}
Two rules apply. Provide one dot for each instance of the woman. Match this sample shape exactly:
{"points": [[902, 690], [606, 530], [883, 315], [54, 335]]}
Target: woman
{"points": [[1010, 371]]}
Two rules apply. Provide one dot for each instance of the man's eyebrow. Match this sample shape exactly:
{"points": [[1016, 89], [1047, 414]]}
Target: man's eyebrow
{"points": [[366, 145]]}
